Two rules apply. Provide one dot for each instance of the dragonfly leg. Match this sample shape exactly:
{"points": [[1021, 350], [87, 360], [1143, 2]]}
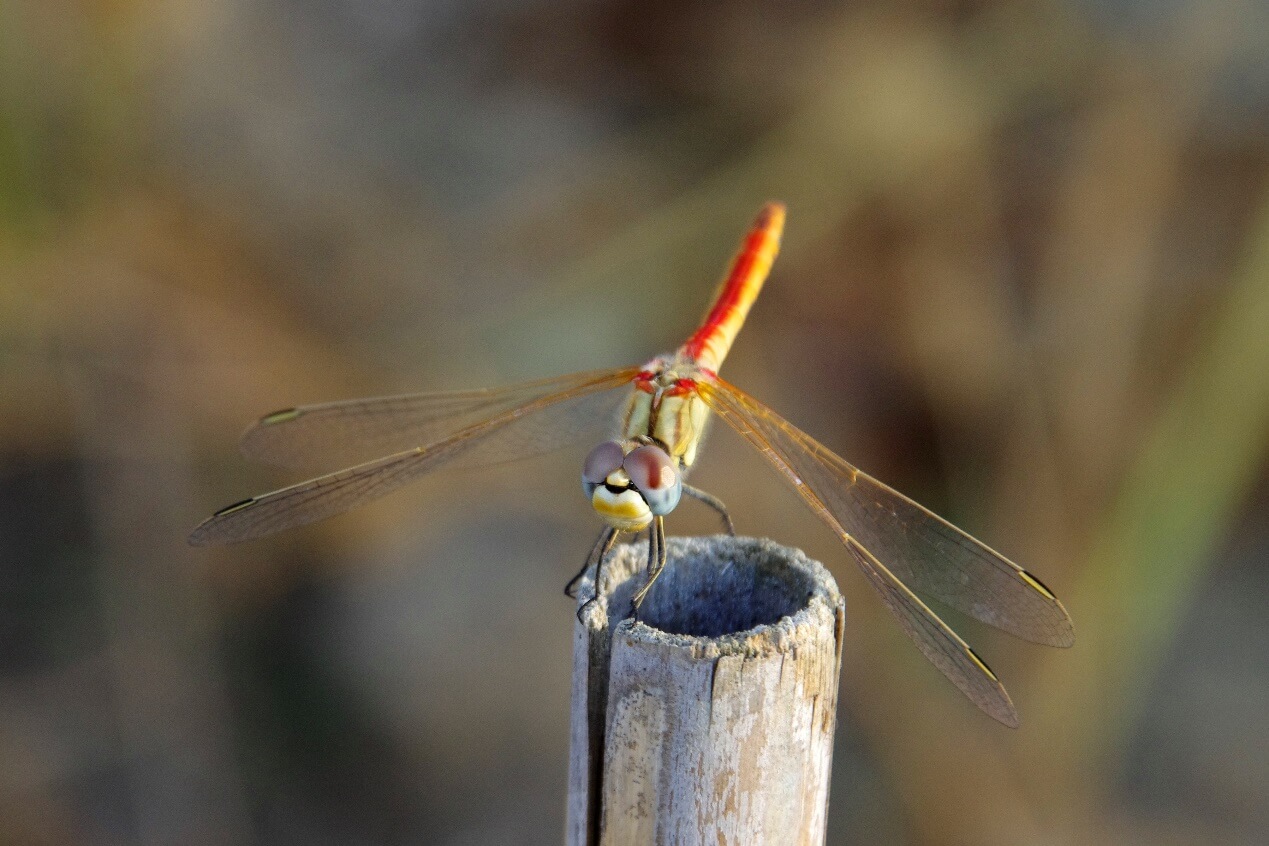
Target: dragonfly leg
{"points": [[602, 545], [656, 562], [598, 554], [714, 503]]}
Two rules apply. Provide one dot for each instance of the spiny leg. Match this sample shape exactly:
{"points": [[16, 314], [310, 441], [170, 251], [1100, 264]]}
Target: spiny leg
{"points": [[603, 544], [653, 558], [714, 503], [656, 561]]}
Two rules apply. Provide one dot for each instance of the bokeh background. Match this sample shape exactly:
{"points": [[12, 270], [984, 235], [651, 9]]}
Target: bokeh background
{"points": [[1025, 280]]}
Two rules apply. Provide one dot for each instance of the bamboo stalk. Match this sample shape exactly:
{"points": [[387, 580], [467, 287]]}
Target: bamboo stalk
{"points": [[711, 719]]}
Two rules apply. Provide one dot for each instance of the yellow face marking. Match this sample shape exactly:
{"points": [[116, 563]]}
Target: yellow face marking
{"points": [[625, 510]]}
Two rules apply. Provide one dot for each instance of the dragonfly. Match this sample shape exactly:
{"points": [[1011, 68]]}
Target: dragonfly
{"points": [[658, 413]]}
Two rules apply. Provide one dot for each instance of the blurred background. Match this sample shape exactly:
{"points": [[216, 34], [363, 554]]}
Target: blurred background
{"points": [[1025, 280]]}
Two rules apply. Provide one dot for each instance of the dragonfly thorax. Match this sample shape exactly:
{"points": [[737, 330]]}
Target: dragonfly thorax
{"points": [[666, 408]]}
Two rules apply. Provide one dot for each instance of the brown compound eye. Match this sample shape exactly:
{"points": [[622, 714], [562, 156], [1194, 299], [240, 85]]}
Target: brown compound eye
{"points": [[656, 476], [601, 461], [650, 468]]}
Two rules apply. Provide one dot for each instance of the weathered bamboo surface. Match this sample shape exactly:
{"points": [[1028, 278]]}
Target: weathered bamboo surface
{"points": [[711, 719]]}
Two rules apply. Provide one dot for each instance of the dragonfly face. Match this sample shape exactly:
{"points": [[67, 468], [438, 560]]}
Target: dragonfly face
{"points": [[631, 482]]}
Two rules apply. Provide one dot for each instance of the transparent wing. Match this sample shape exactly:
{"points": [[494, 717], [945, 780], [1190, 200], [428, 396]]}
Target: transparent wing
{"points": [[874, 521], [924, 550], [938, 643], [338, 434], [583, 401]]}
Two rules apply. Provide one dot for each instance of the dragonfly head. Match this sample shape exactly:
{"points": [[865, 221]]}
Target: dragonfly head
{"points": [[629, 483]]}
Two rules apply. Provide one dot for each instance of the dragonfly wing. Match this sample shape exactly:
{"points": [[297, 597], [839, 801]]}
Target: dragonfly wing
{"points": [[335, 493], [924, 550], [942, 646], [353, 431], [937, 642]]}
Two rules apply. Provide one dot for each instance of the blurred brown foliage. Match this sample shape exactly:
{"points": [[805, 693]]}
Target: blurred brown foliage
{"points": [[1025, 280]]}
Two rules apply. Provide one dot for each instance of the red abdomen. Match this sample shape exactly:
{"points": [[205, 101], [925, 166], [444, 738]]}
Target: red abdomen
{"points": [[708, 346]]}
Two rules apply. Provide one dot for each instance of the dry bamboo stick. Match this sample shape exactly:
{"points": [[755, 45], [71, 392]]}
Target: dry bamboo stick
{"points": [[711, 719]]}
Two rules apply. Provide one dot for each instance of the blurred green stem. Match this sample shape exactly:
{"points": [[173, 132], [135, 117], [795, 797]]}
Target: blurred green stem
{"points": [[1181, 493]]}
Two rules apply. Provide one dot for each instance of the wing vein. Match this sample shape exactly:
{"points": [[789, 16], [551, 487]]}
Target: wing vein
{"points": [[336, 492], [940, 645], [921, 548]]}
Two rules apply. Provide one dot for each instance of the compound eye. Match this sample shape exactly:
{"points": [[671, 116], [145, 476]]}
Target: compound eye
{"points": [[650, 468], [654, 473], [601, 461]]}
